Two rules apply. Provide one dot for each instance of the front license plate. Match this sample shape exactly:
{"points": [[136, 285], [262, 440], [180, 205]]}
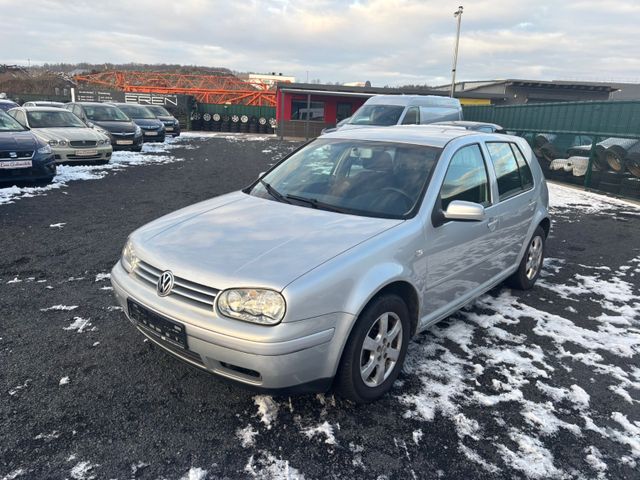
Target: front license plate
{"points": [[151, 134], [124, 142], [169, 129], [86, 153], [16, 164], [162, 327]]}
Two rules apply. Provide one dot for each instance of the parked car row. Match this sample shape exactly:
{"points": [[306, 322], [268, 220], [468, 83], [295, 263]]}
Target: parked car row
{"points": [[39, 134]]}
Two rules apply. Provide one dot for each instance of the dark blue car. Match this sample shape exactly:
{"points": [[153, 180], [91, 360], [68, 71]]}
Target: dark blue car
{"points": [[23, 157], [153, 130], [6, 104]]}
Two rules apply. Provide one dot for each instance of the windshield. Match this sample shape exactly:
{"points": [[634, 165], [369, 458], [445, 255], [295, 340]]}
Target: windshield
{"points": [[8, 124], [158, 110], [384, 115], [361, 177], [136, 111], [105, 113], [58, 119]]}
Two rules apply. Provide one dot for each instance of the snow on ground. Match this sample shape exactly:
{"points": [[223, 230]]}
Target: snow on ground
{"points": [[152, 154], [269, 467], [563, 197]]}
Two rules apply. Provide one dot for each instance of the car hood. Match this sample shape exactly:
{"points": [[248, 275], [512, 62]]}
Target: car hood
{"points": [[69, 134], [164, 118], [117, 127], [148, 122], [241, 240], [18, 141]]}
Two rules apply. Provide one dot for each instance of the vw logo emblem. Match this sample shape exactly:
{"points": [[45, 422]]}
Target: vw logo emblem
{"points": [[165, 283]]}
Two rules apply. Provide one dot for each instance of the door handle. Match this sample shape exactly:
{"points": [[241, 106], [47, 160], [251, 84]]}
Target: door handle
{"points": [[492, 223]]}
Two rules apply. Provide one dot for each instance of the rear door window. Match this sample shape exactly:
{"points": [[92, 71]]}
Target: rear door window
{"points": [[525, 171]]}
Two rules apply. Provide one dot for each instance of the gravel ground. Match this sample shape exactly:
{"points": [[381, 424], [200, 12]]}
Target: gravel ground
{"points": [[541, 384]]}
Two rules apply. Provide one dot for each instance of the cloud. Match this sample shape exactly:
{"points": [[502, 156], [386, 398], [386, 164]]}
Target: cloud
{"points": [[386, 41]]}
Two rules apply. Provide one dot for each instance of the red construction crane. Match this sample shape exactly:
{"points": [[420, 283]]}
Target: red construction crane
{"points": [[219, 89]]}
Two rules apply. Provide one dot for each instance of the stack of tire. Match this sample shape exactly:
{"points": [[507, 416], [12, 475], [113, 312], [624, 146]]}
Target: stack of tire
{"points": [[196, 121]]}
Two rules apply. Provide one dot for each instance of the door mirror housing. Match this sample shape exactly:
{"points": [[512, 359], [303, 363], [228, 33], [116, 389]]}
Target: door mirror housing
{"points": [[464, 211]]}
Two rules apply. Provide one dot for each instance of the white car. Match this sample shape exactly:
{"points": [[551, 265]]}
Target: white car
{"points": [[70, 138]]}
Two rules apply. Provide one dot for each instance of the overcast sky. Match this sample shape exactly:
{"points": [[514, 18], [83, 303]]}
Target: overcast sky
{"points": [[390, 42]]}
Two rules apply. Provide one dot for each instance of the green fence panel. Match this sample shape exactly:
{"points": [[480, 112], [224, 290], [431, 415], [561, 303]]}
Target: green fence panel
{"points": [[606, 118]]}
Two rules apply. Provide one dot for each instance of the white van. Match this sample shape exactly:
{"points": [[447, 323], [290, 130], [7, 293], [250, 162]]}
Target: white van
{"points": [[386, 110]]}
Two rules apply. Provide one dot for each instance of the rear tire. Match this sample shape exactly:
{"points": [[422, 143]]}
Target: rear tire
{"points": [[531, 265], [367, 370]]}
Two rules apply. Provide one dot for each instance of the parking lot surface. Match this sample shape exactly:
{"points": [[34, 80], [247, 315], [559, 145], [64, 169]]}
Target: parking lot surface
{"points": [[538, 384]]}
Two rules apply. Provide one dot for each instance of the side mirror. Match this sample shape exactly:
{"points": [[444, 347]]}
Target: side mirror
{"points": [[465, 211]]}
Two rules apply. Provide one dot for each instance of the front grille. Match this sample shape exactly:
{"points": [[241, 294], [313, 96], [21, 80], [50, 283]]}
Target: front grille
{"points": [[122, 134], [13, 155], [83, 143], [83, 157], [193, 293]]}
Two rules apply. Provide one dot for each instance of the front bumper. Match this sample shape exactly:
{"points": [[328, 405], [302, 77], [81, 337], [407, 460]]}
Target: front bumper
{"points": [[43, 169], [172, 130], [301, 355], [136, 145], [150, 136], [77, 155]]}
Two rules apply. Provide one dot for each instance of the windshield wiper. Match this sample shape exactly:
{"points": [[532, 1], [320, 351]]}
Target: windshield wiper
{"points": [[274, 193], [315, 203]]}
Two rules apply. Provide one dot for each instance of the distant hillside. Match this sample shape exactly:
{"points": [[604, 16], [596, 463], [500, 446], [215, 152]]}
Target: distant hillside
{"points": [[73, 68]]}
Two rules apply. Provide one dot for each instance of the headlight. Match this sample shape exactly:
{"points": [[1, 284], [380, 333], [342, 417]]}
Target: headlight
{"points": [[252, 305], [53, 143], [62, 143], [138, 130], [129, 259], [45, 149]]}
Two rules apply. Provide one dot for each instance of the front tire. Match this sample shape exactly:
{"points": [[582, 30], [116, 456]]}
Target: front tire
{"points": [[375, 352], [531, 265]]}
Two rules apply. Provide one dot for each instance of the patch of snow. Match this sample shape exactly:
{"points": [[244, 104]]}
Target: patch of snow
{"points": [[15, 390], [594, 459], [325, 429], [64, 381], [195, 473], [269, 467], [63, 308], [14, 474], [15, 280], [79, 324], [531, 458], [267, 409], [83, 471], [57, 225], [475, 457], [102, 276], [417, 436], [562, 198], [246, 436], [47, 437]]}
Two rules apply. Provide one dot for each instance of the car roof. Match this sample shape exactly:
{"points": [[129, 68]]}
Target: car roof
{"points": [[108, 104], [467, 123], [427, 135], [414, 100], [29, 108]]}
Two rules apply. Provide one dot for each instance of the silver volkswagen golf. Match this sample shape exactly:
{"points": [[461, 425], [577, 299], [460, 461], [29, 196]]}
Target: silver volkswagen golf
{"points": [[321, 271]]}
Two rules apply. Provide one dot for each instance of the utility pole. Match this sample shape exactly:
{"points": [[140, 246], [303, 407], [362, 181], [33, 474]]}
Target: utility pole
{"points": [[457, 14]]}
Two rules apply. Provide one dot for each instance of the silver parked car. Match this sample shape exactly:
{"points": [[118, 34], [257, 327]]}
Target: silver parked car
{"points": [[322, 270], [71, 139]]}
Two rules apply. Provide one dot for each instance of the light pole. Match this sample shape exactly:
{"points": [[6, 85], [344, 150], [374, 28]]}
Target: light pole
{"points": [[457, 14]]}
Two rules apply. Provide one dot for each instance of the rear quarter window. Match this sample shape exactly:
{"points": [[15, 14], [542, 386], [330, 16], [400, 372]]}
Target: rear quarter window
{"points": [[512, 171]]}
